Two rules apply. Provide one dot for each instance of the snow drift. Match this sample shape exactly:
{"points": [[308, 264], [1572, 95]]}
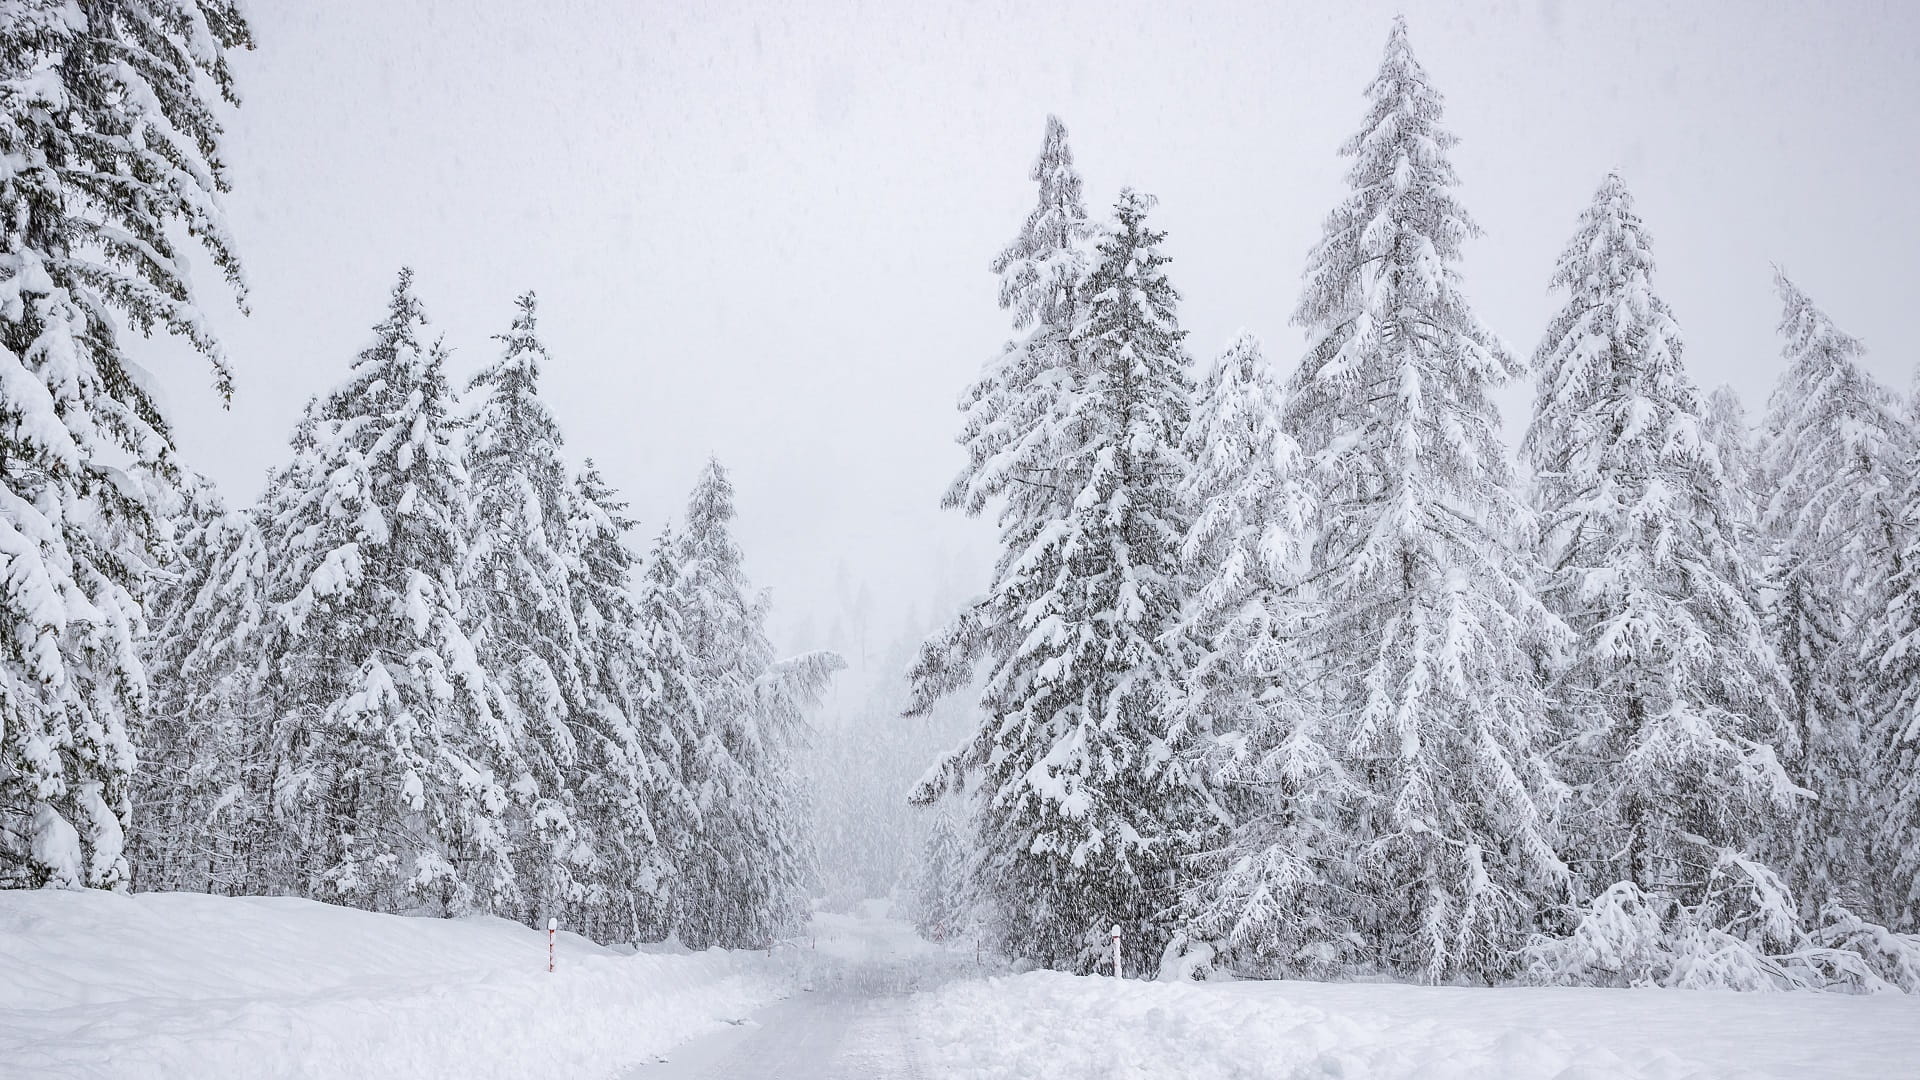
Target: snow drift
{"points": [[1052, 1026], [187, 985]]}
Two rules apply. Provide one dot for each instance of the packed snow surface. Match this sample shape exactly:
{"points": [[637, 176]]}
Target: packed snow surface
{"points": [[94, 984], [853, 1020], [181, 985]]}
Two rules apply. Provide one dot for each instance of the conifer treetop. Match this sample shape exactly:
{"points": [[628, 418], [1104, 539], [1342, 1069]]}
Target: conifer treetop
{"points": [[1037, 270], [710, 514], [517, 371], [1384, 268], [1833, 433], [1252, 511], [1614, 343]]}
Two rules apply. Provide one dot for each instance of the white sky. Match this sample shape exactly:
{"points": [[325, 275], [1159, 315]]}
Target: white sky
{"points": [[763, 232]]}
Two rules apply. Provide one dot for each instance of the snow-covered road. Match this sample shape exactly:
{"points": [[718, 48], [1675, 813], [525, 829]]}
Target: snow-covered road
{"points": [[852, 1017]]}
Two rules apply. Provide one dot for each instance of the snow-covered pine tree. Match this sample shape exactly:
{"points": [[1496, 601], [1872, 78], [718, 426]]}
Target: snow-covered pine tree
{"points": [[942, 886], [1834, 448], [517, 583], [747, 884], [200, 795], [1421, 565], [112, 148], [1040, 270], [1012, 411], [1262, 895], [1891, 800], [1890, 646], [629, 723], [693, 768], [1668, 700], [1091, 800], [1890, 769], [396, 769], [1726, 426]]}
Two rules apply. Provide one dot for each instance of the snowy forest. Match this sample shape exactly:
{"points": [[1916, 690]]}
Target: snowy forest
{"points": [[429, 670], [1288, 670], [1288, 666]]}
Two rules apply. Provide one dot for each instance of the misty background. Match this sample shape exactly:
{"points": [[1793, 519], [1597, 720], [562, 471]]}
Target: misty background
{"points": [[763, 232]]}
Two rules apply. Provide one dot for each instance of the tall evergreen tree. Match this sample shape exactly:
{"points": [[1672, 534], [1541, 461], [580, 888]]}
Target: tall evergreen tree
{"points": [[747, 885], [694, 770], [1090, 803], [1726, 426], [111, 146], [201, 791], [1264, 893], [1835, 442], [397, 769], [1012, 412], [1040, 270], [627, 775], [942, 885], [518, 595], [1420, 560], [1891, 799], [1890, 645], [1669, 699]]}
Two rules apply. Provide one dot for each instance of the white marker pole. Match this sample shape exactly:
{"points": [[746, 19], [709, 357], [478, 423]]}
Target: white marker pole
{"points": [[1116, 950], [554, 924]]}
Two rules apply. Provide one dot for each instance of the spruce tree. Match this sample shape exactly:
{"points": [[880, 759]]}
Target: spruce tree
{"points": [[397, 769], [109, 131], [941, 882], [201, 793], [1725, 425], [1890, 823], [1091, 802], [747, 884], [693, 769], [627, 763], [1012, 411], [1834, 448], [1420, 565], [518, 594], [1890, 647], [1262, 894], [1669, 698]]}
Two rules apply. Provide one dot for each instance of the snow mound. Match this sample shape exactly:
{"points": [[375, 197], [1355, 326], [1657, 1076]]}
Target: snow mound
{"points": [[1050, 1026], [185, 985]]}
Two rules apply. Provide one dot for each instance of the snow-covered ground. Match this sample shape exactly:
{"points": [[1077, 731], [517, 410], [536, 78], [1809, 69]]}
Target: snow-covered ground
{"points": [[1048, 1026], [177, 985], [182, 985]]}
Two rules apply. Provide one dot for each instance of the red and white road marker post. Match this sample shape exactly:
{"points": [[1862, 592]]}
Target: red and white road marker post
{"points": [[1116, 950], [553, 924]]}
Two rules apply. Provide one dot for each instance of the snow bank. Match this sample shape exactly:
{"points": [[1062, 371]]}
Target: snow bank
{"points": [[1049, 1026], [183, 985]]}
